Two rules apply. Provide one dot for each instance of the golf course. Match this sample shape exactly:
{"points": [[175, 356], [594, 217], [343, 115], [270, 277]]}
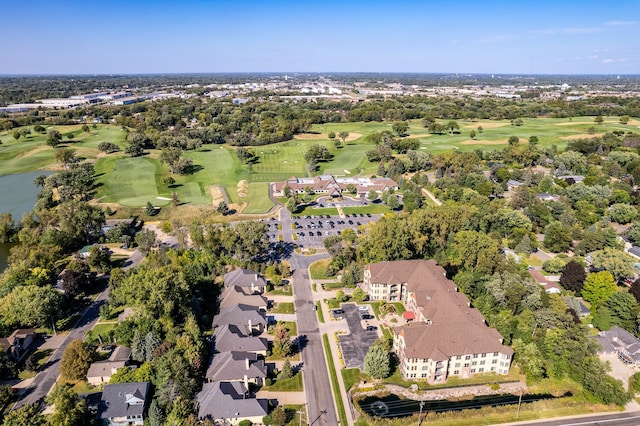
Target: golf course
{"points": [[132, 182]]}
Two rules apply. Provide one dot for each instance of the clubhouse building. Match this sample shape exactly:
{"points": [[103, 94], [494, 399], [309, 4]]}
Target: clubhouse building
{"points": [[333, 186], [445, 336]]}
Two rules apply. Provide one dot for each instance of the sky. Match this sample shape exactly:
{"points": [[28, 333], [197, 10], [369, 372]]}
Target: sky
{"points": [[430, 36]]}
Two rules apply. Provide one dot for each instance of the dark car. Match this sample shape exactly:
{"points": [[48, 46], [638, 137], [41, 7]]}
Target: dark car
{"points": [[367, 316], [338, 312], [371, 328]]}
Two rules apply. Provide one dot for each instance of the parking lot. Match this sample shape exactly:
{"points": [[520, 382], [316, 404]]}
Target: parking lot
{"points": [[354, 346], [310, 231]]}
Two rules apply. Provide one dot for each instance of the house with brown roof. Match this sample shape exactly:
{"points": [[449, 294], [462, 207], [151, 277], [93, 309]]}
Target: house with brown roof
{"points": [[448, 336], [333, 186], [17, 345]]}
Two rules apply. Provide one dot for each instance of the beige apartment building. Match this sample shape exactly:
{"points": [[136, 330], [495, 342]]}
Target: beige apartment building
{"points": [[446, 336]]}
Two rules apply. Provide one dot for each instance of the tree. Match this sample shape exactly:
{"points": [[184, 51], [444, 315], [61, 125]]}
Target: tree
{"points": [[573, 276], [635, 289], [278, 416], [149, 209], [529, 359], [624, 119], [99, 258], [7, 228], [598, 119], [76, 359], [134, 150], [376, 362], [16, 134], [31, 306], [343, 136], [359, 295], [598, 287], [624, 309], [156, 414], [317, 153], [69, 409], [622, 213], [53, 138], [286, 371], [74, 283], [533, 140], [557, 237], [331, 135], [514, 140], [471, 249], [452, 126], [85, 128], [168, 181], [108, 147], [400, 128], [222, 208], [145, 240], [282, 345], [472, 134], [617, 262], [292, 204], [372, 195], [340, 296], [27, 415]]}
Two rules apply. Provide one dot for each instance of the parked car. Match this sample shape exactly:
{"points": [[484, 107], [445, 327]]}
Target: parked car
{"points": [[363, 308], [338, 312], [371, 328]]}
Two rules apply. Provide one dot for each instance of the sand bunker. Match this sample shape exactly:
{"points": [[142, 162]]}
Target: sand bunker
{"points": [[486, 125], [581, 136], [216, 196], [243, 189]]}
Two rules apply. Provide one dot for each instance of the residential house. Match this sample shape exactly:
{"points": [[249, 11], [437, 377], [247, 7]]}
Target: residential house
{"points": [[18, 344], [619, 341], [229, 403], [246, 279], [100, 372], [549, 286], [448, 337], [124, 404], [232, 296], [545, 196], [249, 319], [229, 338], [237, 366]]}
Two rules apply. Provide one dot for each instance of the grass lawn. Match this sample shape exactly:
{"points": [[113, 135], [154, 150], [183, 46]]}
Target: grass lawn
{"points": [[312, 211], [292, 384], [351, 376], [293, 418], [333, 303], [283, 308], [318, 269], [284, 290], [377, 208], [258, 198], [291, 327], [376, 308], [342, 415], [337, 285], [319, 311]]}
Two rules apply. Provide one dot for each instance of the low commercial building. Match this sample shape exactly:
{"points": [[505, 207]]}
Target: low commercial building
{"points": [[447, 337], [333, 186]]}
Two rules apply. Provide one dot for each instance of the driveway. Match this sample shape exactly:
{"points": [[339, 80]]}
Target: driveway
{"points": [[619, 370], [354, 346]]}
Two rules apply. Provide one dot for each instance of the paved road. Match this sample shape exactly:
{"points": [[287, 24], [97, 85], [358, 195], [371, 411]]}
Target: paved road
{"points": [[45, 379], [317, 385], [617, 419]]}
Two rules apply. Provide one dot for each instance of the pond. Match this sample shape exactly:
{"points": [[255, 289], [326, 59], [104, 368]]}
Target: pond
{"points": [[393, 406], [17, 196]]}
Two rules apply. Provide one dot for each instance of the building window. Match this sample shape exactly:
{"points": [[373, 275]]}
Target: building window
{"points": [[473, 370], [474, 363], [425, 367], [424, 374], [495, 354], [466, 364], [456, 372], [457, 364], [493, 369], [475, 355], [483, 355], [481, 370], [467, 357], [495, 361], [482, 362]]}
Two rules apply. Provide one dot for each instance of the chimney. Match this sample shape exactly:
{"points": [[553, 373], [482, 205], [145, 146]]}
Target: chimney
{"points": [[246, 381], [250, 325], [247, 363]]}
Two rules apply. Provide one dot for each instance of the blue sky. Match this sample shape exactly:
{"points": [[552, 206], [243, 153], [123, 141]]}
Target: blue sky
{"points": [[129, 36]]}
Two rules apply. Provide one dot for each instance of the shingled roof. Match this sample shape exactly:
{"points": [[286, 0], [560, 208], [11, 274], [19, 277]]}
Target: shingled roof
{"points": [[226, 400], [235, 365]]}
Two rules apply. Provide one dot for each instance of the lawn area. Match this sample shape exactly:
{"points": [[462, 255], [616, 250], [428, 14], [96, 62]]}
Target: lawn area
{"points": [[103, 330], [283, 308], [312, 211], [292, 384], [291, 327], [283, 290], [336, 285], [351, 376], [258, 198], [130, 181], [318, 269], [333, 303], [342, 415], [294, 418], [377, 208]]}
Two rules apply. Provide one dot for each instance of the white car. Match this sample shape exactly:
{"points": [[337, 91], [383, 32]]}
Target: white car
{"points": [[363, 308]]}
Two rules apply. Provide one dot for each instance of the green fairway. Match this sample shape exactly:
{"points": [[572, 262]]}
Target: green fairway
{"points": [[132, 183], [135, 181]]}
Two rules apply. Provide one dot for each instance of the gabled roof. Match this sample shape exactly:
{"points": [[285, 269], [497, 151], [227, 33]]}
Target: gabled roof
{"points": [[224, 400], [243, 278], [104, 368], [124, 399], [232, 296], [120, 353], [230, 338], [233, 366], [240, 315]]}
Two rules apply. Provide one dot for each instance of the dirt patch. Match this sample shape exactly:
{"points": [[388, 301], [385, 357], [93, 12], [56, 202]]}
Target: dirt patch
{"points": [[484, 142], [571, 123], [634, 122], [216, 196], [486, 125], [243, 189], [315, 136], [581, 136], [424, 135]]}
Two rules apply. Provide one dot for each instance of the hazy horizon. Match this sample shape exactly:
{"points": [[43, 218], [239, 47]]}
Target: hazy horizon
{"points": [[408, 36]]}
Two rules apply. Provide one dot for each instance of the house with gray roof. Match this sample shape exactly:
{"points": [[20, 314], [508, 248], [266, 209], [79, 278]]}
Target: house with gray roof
{"points": [[247, 318], [237, 366], [101, 371], [229, 403], [247, 279], [232, 296], [229, 338], [619, 341], [124, 404]]}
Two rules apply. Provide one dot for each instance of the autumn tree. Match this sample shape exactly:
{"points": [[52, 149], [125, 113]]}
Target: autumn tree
{"points": [[282, 345], [76, 360]]}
